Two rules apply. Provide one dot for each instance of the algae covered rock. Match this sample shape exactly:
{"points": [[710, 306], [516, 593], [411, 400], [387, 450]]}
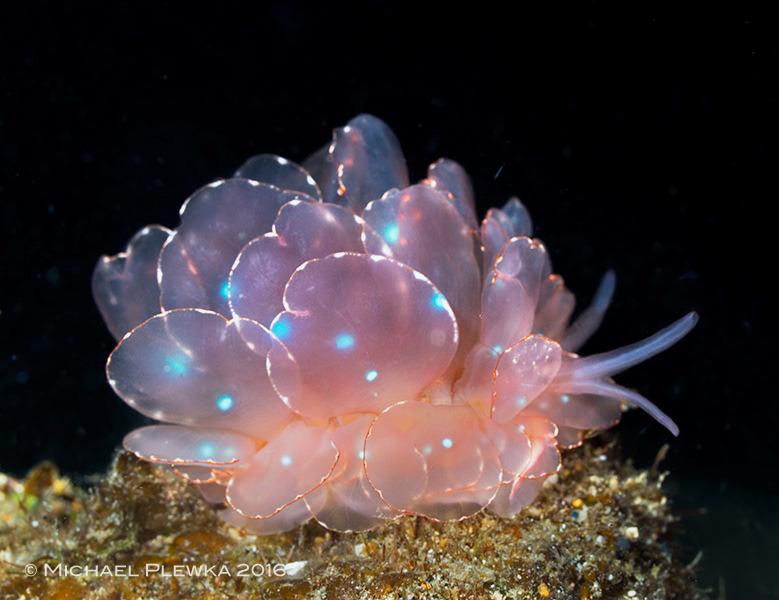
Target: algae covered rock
{"points": [[599, 529]]}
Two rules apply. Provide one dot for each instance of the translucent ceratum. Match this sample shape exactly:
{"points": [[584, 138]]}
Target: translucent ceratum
{"points": [[326, 340]]}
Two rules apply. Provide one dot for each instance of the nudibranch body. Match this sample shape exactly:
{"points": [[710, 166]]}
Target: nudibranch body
{"points": [[326, 340]]}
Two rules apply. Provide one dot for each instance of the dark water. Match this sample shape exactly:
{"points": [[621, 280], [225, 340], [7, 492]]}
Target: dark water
{"points": [[640, 141]]}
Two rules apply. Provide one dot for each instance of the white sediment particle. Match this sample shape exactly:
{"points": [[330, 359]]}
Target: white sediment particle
{"points": [[293, 568]]}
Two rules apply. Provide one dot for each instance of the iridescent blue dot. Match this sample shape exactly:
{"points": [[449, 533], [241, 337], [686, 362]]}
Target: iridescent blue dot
{"points": [[447, 442], [392, 233], [226, 289], [206, 450], [371, 375], [564, 398], [177, 365], [280, 329], [497, 349], [344, 341], [438, 301], [225, 403], [285, 460]]}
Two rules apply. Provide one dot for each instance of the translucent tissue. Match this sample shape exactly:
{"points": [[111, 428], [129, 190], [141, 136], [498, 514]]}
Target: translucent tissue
{"points": [[325, 340]]}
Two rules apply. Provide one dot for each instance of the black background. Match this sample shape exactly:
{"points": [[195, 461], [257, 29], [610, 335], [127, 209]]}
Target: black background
{"points": [[640, 139]]}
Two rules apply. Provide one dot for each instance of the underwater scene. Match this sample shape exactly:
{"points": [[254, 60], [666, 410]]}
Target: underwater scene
{"points": [[396, 302]]}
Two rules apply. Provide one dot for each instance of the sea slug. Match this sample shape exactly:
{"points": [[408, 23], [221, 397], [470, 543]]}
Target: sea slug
{"points": [[326, 340]]}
